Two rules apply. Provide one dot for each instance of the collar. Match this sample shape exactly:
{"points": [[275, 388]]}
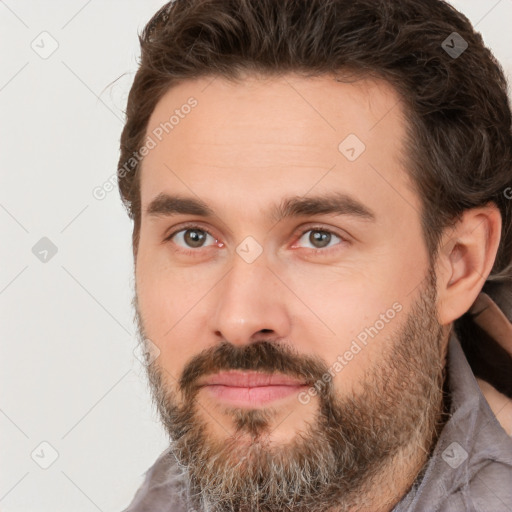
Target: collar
{"points": [[471, 439]]}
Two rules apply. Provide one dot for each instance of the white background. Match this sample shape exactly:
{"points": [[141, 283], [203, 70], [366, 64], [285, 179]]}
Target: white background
{"points": [[68, 373]]}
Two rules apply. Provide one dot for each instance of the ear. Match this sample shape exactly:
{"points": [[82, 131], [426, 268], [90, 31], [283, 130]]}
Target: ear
{"points": [[465, 260]]}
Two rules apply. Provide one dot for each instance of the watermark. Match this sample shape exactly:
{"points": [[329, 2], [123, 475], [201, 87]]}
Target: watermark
{"points": [[44, 250], [44, 455], [147, 352], [45, 45], [454, 455], [249, 249], [508, 193], [352, 147], [454, 45], [157, 134], [357, 345]]}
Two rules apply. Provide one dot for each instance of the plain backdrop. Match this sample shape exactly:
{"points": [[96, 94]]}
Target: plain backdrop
{"points": [[77, 427]]}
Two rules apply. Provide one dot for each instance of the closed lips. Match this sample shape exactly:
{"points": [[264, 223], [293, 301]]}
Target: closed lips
{"points": [[250, 389], [250, 380]]}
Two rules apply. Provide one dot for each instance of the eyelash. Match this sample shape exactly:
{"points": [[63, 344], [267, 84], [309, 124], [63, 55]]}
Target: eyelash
{"points": [[194, 252]]}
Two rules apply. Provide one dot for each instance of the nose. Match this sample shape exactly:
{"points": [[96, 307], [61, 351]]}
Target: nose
{"points": [[250, 304]]}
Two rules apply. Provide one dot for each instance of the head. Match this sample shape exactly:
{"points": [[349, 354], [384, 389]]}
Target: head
{"points": [[318, 194]]}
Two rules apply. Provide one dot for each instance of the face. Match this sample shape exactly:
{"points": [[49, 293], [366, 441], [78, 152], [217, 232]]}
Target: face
{"points": [[283, 280]]}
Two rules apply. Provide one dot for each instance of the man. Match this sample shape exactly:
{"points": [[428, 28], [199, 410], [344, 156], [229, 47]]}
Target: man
{"points": [[322, 241]]}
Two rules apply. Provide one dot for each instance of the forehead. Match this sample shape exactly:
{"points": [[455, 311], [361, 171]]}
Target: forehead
{"points": [[275, 135]]}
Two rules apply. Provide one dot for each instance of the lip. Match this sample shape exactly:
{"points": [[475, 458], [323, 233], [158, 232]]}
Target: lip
{"points": [[250, 389]]}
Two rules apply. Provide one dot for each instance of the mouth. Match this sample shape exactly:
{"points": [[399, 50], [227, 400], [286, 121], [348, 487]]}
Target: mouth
{"points": [[251, 389]]}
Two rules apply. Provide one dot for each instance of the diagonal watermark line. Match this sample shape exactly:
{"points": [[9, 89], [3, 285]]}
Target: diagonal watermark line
{"points": [[408, 202], [76, 14], [492, 490], [307, 192], [18, 482], [231, 269], [14, 76], [3, 412], [310, 104], [198, 301], [74, 218], [301, 300], [186, 185], [13, 13], [88, 412], [507, 403], [14, 218], [304, 195], [379, 120], [92, 92], [319, 180], [422, 281], [487, 13], [13, 279], [196, 400], [208, 413], [208, 84], [282, 421], [88, 497], [96, 300]]}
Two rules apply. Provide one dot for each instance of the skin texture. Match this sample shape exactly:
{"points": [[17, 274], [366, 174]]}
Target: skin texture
{"points": [[244, 148], [347, 447], [500, 404]]}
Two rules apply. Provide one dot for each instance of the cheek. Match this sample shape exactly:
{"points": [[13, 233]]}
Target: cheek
{"points": [[166, 299], [346, 299], [351, 317], [166, 290], [342, 314]]}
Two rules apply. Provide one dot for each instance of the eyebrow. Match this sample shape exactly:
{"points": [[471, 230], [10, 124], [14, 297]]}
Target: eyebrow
{"points": [[165, 205]]}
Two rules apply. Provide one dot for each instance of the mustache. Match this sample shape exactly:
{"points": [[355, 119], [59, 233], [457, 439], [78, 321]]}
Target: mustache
{"points": [[263, 356]]}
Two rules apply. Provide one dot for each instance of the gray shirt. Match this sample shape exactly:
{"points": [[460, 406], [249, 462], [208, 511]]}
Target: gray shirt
{"points": [[470, 468]]}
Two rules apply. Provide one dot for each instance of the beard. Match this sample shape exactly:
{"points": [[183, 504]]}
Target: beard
{"points": [[337, 461]]}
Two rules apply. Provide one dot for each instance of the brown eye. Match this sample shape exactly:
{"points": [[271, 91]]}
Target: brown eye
{"points": [[194, 237], [319, 238], [191, 238]]}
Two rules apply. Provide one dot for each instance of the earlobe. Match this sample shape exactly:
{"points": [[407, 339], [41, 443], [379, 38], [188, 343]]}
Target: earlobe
{"points": [[465, 260]]}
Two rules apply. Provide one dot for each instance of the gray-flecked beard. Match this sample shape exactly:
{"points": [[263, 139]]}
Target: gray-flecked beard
{"points": [[355, 445]]}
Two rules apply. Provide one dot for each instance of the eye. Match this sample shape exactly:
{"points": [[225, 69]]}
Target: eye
{"points": [[320, 238], [191, 237]]}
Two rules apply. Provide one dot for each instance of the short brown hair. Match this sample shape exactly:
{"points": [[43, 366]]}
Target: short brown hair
{"points": [[459, 140]]}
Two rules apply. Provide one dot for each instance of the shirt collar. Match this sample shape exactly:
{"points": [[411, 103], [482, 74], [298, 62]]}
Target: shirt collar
{"points": [[471, 438]]}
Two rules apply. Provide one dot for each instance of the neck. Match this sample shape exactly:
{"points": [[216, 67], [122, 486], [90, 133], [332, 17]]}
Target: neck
{"points": [[408, 466]]}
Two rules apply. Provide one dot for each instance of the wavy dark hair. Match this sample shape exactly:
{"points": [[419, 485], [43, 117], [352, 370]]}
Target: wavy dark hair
{"points": [[459, 139]]}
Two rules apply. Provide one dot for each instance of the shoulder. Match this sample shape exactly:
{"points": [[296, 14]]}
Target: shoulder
{"points": [[500, 404], [162, 488]]}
